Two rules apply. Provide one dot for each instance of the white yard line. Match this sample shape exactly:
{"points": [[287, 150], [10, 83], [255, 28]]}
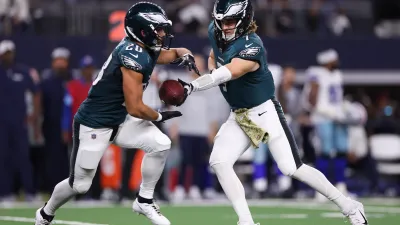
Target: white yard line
{"points": [[31, 220], [339, 215], [273, 216]]}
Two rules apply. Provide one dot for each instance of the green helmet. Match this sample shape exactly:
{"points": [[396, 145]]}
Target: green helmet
{"points": [[142, 22], [241, 10]]}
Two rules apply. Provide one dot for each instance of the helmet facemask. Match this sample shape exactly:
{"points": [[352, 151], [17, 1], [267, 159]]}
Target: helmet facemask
{"points": [[228, 37], [161, 42]]}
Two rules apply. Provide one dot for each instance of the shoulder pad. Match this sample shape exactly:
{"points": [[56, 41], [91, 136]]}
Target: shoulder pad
{"points": [[133, 57]]}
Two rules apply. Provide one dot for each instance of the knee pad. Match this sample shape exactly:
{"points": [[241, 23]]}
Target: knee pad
{"points": [[161, 142], [287, 167], [82, 185]]}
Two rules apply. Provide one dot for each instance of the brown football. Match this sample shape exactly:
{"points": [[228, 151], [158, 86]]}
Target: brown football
{"points": [[171, 92]]}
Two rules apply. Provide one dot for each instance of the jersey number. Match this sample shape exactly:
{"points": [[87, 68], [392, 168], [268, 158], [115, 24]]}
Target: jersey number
{"points": [[224, 88], [137, 48], [101, 73], [334, 92]]}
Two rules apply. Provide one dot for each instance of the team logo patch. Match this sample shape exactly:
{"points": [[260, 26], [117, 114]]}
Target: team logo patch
{"points": [[154, 17], [250, 52], [94, 136], [130, 63]]}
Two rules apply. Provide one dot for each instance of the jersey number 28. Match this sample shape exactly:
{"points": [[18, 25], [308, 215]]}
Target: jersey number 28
{"points": [[101, 73]]}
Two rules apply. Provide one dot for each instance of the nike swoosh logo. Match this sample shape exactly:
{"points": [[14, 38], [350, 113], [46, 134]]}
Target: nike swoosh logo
{"points": [[260, 114], [248, 45], [365, 219], [136, 56]]}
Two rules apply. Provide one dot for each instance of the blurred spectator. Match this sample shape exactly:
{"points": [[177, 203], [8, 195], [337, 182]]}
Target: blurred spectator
{"points": [[75, 93], [339, 23], [15, 82], [387, 18], [285, 18], [14, 16], [195, 132], [53, 92], [313, 16], [194, 17], [358, 156]]}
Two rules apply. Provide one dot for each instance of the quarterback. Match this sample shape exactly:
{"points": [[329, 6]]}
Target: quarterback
{"points": [[239, 67], [114, 112]]}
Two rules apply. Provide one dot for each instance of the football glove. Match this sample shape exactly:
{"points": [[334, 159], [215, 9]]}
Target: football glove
{"points": [[169, 115], [188, 87], [187, 60]]}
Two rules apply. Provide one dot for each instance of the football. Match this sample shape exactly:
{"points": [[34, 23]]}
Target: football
{"points": [[171, 92]]}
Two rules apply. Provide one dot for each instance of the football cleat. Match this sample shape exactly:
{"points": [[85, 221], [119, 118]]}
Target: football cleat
{"points": [[357, 215], [42, 218], [151, 211]]}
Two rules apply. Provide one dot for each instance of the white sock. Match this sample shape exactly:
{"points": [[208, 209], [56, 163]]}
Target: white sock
{"points": [[62, 193], [315, 179], [152, 168], [234, 190]]}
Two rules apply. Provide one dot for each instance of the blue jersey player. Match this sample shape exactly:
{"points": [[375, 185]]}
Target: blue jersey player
{"points": [[114, 112], [239, 67]]}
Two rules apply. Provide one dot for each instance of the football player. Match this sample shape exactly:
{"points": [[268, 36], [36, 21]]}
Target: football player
{"points": [[325, 95], [238, 66], [114, 112]]}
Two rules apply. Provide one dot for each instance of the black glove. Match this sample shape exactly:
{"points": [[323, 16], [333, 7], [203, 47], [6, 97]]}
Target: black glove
{"points": [[188, 87], [169, 115], [188, 61]]}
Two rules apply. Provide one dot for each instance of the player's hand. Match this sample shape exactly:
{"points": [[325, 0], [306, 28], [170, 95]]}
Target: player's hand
{"points": [[169, 115], [188, 61], [188, 87]]}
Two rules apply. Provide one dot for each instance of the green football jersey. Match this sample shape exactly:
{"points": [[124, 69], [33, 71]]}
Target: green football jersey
{"points": [[253, 88], [104, 106]]}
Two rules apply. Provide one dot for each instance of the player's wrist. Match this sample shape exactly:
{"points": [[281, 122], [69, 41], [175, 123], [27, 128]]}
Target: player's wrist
{"points": [[159, 118]]}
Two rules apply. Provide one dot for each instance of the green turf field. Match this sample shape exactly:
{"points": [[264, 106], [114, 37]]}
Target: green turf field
{"points": [[275, 213]]}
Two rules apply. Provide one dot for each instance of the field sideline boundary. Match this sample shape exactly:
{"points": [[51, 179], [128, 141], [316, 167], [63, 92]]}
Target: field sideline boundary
{"points": [[32, 220]]}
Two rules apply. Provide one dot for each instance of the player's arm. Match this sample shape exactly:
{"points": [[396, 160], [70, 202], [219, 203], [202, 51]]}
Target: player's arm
{"points": [[312, 97], [181, 56], [172, 54], [211, 61], [233, 70], [133, 93]]}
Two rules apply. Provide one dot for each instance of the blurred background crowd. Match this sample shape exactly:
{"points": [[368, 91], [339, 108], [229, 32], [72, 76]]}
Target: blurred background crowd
{"points": [[50, 51]]}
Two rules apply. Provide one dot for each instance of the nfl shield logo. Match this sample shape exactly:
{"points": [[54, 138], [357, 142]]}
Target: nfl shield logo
{"points": [[93, 136]]}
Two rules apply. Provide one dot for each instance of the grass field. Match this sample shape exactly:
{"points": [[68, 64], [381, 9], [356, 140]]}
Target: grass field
{"points": [[274, 212]]}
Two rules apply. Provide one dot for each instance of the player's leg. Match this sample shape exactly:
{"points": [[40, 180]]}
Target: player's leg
{"points": [[260, 182], [229, 145], [199, 151], [341, 146], [88, 147], [285, 152], [137, 133], [21, 159], [324, 132], [5, 164]]}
